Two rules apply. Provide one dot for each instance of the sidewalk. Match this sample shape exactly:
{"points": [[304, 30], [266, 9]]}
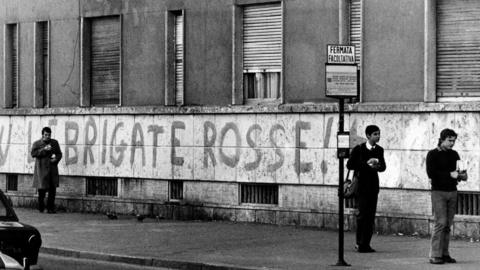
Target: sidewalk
{"points": [[223, 245]]}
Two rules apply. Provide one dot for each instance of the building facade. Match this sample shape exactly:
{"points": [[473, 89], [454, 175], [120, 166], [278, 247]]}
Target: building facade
{"points": [[216, 109]]}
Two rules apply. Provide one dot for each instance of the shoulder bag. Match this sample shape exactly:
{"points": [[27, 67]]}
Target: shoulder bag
{"points": [[350, 187]]}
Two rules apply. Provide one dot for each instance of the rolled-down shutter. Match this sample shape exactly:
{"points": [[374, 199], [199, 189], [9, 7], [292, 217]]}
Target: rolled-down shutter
{"points": [[458, 48], [356, 27], [45, 73], [105, 61], [262, 38], [179, 59], [14, 65]]}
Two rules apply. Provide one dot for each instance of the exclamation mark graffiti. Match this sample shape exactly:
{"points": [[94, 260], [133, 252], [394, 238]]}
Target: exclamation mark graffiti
{"points": [[4, 155], [326, 142], [30, 159]]}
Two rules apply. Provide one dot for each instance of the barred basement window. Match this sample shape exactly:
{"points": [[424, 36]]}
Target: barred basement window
{"points": [[468, 203], [12, 182], [259, 193], [176, 190], [350, 203], [102, 186]]}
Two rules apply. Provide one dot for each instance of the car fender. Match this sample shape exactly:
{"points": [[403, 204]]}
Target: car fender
{"points": [[9, 263]]}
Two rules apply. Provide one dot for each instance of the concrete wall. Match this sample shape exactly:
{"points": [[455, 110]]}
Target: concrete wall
{"points": [[65, 48], [64, 63], [392, 67], [294, 148], [393, 51], [213, 152], [307, 177], [309, 26]]}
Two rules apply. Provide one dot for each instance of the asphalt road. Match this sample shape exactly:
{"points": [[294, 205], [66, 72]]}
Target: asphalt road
{"points": [[51, 262]]}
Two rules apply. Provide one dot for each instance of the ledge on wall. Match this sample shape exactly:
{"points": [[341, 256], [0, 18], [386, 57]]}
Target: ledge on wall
{"points": [[326, 107]]}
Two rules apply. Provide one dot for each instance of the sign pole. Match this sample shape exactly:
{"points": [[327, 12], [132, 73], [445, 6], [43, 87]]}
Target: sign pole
{"points": [[341, 261], [341, 81]]}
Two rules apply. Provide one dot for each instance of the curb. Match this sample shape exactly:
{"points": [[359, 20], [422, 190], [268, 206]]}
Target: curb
{"points": [[142, 261]]}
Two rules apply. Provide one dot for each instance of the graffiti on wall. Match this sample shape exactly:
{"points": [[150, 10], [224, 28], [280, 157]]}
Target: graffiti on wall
{"points": [[122, 143], [283, 148]]}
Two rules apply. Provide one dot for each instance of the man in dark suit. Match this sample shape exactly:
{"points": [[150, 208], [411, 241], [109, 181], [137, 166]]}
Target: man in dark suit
{"points": [[367, 160]]}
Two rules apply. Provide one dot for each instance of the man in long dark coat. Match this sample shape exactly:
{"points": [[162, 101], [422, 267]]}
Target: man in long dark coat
{"points": [[47, 154]]}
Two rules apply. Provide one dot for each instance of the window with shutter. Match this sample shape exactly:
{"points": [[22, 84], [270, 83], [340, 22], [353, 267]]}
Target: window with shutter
{"points": [[178, 33], [11, 66], [105, 60], [42, 74], [174, 57], [458, 49], [46, 73], [356, 27], [355, 34], [262, 51], [14, 66]]}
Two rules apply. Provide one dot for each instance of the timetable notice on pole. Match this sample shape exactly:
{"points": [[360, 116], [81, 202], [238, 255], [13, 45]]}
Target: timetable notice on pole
{"points": [[341, 80]]}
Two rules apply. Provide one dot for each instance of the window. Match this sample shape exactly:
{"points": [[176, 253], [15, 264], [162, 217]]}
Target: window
{"points": [[355, 22], [42, 71], [101, 60], [12, 182], [11, 66], [458, 50], [262, 51], [176, 190], [175, 58], [259, 193], [349, 203], [468, 203], [102, 186], [355, 35]]}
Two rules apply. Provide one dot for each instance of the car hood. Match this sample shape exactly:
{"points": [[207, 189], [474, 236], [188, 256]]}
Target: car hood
{"points": [[16, 226], [17, 233]]}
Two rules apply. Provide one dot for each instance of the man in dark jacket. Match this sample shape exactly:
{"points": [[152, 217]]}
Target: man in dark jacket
{"points": [[367, 160], [444, 176], [47, 154]]}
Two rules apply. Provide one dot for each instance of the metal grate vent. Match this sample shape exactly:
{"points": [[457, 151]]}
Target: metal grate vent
{"points": [[468, 203], [176, 190], [12, 182], [259, 193], [102, 186]]}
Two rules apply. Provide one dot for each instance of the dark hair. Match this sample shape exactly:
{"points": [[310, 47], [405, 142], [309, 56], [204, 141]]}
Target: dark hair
{"points": [[371, 129], [46, 129], [444, 134]]}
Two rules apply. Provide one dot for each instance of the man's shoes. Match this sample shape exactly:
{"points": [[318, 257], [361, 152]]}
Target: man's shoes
{"points": [[41, 210], [437, 260], [448, 259], [364, 249]]}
